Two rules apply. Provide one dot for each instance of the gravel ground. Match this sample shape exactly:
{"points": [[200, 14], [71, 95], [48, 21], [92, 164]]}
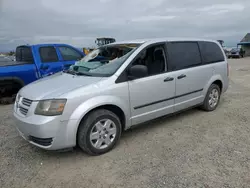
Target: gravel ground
{"points": [[192, 149]]}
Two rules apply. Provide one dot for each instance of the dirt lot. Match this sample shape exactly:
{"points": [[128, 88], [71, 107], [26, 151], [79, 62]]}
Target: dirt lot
{"points": [[193, 149]]}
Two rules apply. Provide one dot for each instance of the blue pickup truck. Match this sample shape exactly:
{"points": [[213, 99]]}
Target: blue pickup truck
{"points": [[33, 62]]}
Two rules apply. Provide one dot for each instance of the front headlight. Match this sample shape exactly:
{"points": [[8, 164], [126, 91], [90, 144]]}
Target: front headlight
{"points": [[51, 107]]}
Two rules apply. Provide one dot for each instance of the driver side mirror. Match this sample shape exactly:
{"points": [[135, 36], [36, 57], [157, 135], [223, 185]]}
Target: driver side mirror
{"points": [[137, 71]]}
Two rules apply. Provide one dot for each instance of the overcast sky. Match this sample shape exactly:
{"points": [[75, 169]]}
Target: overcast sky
{"points": [[79, 22]]}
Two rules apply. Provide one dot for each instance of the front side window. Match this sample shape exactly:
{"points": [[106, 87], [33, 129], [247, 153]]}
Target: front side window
{"points": [[153, 58], [211, 52], [69, 54], [48, 54], [104, 61]]}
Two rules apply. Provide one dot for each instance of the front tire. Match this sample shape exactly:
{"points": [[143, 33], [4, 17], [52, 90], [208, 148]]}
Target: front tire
{"points": [[212, 98], [99, 132]]}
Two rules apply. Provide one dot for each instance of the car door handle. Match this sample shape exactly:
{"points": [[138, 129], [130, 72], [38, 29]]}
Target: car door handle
{"points": [[181, 76], [168, 79]]}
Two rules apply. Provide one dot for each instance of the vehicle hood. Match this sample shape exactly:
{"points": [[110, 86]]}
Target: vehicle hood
{"points": [[56, 85]]}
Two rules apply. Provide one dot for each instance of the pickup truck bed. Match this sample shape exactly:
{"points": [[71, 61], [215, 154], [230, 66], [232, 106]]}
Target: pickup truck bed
{"points": [[11, 63]]}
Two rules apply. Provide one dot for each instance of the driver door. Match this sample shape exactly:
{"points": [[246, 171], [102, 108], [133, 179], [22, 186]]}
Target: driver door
{"points": [[152, 96]]}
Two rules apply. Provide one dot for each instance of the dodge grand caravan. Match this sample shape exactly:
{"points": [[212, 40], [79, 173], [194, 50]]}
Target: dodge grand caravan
{"points": [[117, 86]]}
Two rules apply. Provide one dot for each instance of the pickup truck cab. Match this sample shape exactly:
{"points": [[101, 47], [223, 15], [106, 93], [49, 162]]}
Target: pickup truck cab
{"points": [[34, 62]]}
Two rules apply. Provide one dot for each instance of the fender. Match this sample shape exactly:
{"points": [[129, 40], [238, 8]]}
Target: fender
{"points": [[91, 104], [16, 79], [213, 79]]}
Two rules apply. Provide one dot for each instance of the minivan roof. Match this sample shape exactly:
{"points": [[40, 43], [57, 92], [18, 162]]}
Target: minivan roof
{"points": [[156, 40]]}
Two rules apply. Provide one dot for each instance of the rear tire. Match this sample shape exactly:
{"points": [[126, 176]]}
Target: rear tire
{"points": [[212, 98], [99, 132]]}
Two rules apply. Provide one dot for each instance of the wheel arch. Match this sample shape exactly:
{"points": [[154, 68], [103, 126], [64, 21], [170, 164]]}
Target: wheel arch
{"points": [[13, 79], [219, 83], [111, 107], [216, 79], [6, 81], [114, 104]]}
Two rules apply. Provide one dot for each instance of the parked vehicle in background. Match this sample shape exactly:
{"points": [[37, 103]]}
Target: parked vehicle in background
{"points": [[34, 62], [104, 40], [235, 53], [130, 83]]}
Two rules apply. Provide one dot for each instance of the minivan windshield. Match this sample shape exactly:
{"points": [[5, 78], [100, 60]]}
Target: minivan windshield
{"points": [[104, 61]]}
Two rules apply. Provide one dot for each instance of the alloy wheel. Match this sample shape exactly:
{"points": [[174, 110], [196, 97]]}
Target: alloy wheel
{"points": [[103, 134]]}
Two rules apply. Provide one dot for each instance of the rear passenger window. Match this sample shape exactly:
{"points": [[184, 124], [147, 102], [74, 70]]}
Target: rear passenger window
{"points": [[183, 55], [48, 54], [24, 53], [211, 52]]}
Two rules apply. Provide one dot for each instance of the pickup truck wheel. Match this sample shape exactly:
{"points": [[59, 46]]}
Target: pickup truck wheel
{"points": [[8, 91], [7, 100], [212, 98], [99, 132]]}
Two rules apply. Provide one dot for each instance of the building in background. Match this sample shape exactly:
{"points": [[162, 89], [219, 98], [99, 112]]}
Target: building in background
{"points": [[245, 44]]}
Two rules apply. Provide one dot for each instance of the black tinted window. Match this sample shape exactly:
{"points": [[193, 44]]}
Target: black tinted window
{"points": [[153, 58], [69, 54], [183, 55], [24, 53], [48, 54], [210, 52]]}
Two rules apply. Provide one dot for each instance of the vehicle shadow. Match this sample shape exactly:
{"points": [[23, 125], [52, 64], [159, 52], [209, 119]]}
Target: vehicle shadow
{"points": [[165, 121], [134, 131], [159, 122]]}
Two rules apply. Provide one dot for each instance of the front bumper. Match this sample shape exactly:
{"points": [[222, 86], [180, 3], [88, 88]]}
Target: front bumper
{"points": [[234, 55], [49, 133]]}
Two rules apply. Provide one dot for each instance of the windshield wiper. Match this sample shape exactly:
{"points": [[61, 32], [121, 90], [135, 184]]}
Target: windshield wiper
{"points": [[77, 66], [82, 74], [76, 73], [69, 72]]}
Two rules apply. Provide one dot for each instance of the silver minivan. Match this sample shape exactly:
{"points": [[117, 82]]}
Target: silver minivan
{"points": [[117, 86]]}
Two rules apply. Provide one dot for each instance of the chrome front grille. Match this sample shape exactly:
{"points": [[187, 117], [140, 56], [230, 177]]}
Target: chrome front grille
{"points": [[26, 102], [23, 105], [23, 111]]}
